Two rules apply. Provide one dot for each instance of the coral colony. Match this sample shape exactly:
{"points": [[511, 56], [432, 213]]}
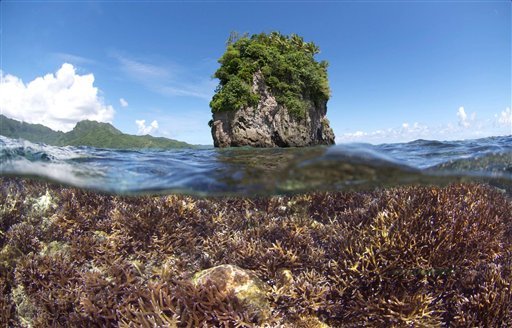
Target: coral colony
{"points": [[407, 257]]}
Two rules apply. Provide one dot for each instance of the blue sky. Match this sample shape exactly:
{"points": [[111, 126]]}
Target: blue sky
{"points": [[398, 70]]}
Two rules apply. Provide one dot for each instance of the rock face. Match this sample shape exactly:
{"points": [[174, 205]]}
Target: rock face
{"points": [[270, 125]]}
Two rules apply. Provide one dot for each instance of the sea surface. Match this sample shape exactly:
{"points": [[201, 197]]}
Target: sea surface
{"points": [[249, 171]]}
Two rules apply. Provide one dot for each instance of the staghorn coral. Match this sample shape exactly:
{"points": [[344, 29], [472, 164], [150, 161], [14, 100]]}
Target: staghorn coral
{"points": [[406, 256], [183, 304]]}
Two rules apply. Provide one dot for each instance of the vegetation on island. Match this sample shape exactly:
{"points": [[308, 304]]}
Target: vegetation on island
{"points": [[414, 256], [85, 133], [287, 64]]}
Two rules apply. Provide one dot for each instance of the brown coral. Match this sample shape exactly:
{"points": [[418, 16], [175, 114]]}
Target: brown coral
{"points": [[407, 256]]}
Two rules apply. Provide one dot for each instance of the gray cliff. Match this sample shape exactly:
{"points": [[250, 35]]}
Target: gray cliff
{"points": [[270, 125]]}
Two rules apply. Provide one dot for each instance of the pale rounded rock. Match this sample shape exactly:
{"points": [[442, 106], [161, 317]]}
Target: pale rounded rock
{"points": [[245, 285]]}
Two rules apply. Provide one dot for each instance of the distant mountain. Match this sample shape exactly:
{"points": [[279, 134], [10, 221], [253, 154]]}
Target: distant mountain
{"points": [[85, 133]]}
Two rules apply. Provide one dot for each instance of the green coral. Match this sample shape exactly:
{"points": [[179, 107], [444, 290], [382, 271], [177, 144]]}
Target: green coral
{"points": [[287, 64]]}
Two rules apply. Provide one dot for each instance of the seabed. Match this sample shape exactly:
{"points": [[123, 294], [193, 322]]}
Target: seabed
{"points": [[411, 256]]}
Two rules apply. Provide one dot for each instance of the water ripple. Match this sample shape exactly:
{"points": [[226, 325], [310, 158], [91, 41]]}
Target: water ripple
{"points": [[251, 171]]}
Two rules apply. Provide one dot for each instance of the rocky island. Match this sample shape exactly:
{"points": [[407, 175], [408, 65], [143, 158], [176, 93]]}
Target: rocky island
{"points": [[272, 93]]}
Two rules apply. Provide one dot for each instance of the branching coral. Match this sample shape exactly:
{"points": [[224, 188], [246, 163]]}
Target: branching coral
{"points": [[407, 256]]}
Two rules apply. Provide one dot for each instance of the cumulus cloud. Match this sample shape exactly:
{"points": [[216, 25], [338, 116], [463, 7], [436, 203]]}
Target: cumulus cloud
{"points": [[143, 129], [505, 118], [467, 127], [123, 102], [463, 117], [464, 120], [57, 100]]}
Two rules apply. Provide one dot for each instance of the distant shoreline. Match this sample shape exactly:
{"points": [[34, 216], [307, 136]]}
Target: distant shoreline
{"points": [[86, 133]]}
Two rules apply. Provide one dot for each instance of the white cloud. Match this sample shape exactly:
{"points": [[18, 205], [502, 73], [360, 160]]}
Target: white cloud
{"points": [[356, 134], [140, 70], [468, 127], [143, 129], [123, 102], [505, 118], [57, 100], [463, 117], [73, 59], [167, 79], [464, 120], [406, 132], [189, 91]]}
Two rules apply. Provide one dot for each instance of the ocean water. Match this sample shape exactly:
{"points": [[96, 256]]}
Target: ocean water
{"points": [[249, 171]]}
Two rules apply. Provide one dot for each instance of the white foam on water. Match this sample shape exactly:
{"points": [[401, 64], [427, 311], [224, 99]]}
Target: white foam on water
{"points": [[60, 172]]}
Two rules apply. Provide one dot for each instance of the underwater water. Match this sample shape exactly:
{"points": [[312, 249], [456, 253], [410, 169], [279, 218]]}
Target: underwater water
{"points": [[249, 171]]}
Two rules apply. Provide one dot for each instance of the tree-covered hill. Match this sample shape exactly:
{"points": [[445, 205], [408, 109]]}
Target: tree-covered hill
{"points": [[287, 64], [85, 133]]}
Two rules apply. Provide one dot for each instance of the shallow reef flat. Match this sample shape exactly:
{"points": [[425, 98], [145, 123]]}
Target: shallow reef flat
{"points": [[411, 256]]}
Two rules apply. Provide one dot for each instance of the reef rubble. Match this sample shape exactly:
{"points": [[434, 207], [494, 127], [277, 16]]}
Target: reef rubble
{"points": [[403, 256]]}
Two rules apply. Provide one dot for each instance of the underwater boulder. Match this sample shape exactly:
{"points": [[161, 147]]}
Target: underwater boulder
{"points": [[244, 285]]}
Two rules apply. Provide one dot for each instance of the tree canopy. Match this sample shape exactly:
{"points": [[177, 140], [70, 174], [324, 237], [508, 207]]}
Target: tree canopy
{"points": [[287, 64]]}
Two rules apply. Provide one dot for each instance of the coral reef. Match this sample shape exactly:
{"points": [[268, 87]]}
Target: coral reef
{"points": [[405, 256]]}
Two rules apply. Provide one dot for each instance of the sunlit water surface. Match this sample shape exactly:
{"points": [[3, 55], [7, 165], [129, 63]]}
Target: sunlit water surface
{"points": [[249, 171]]}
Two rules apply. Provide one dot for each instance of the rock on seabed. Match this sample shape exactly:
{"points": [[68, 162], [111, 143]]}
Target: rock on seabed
{"points": [[270, 124], [246, 286]]}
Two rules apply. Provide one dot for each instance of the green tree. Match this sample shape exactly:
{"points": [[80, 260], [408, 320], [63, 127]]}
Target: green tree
{"points": [[287, 64]]}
